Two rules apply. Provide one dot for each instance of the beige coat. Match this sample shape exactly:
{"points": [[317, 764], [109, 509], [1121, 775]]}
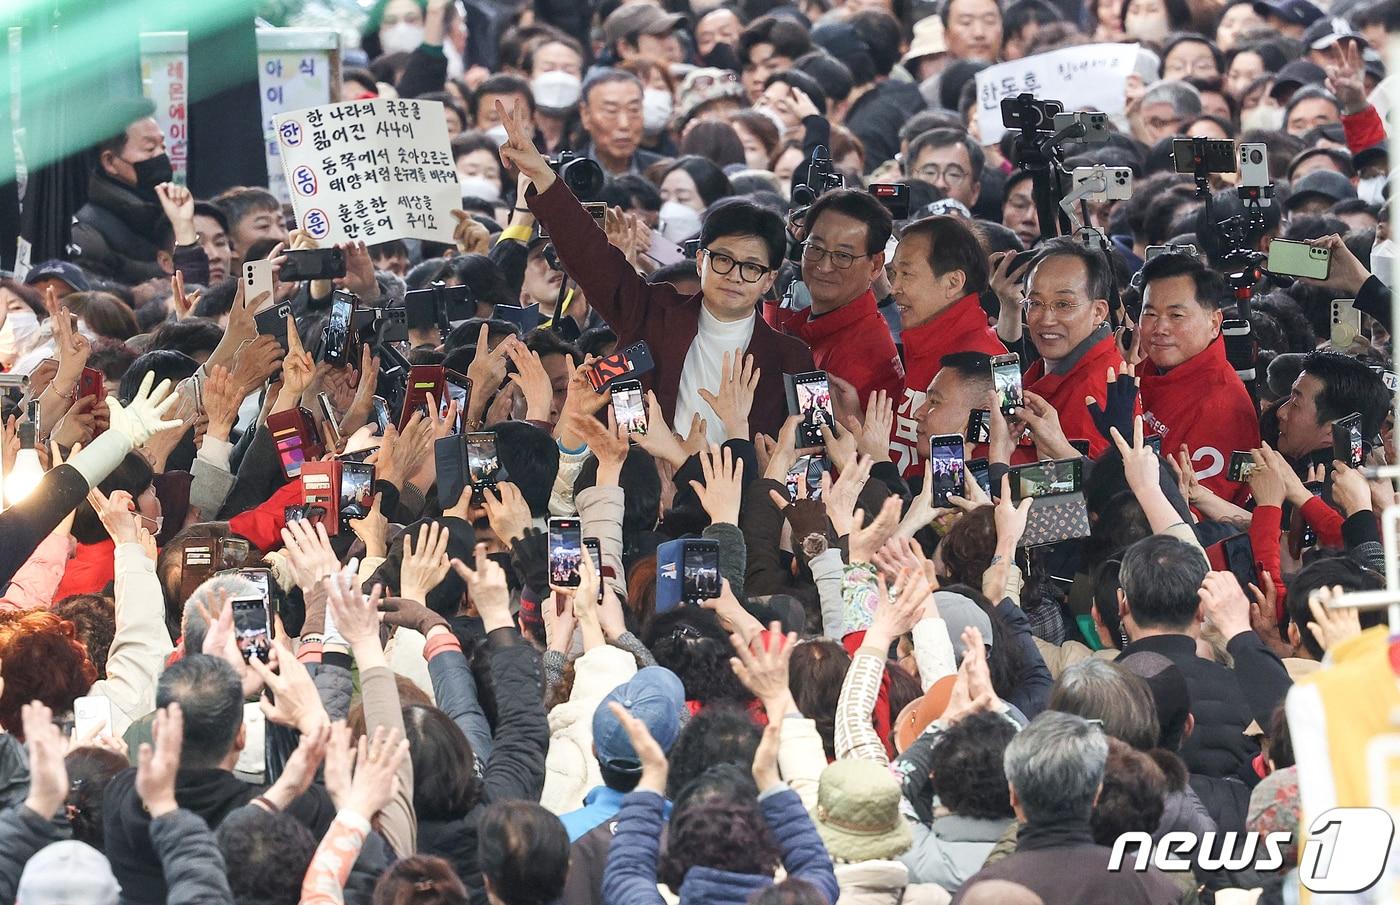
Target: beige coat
{"points": [[882, 882]]}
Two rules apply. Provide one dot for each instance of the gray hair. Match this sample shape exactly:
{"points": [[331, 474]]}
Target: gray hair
{"points": [[1100, 690], [391, 288], [1055, 767], [1183, 96], [209, 594], [1307, 92]]}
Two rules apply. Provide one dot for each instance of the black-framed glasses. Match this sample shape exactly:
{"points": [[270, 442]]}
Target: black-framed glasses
{"points": [[841, 260], [749, 272]]}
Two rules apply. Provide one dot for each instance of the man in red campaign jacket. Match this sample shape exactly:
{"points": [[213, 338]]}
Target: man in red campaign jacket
{"points": [[1067, 317], [1190, 394], [844, 253], [939, 268]]}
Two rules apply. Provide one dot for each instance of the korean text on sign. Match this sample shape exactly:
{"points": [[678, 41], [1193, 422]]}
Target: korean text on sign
{"points": [[370, 170], [1086, 77]]}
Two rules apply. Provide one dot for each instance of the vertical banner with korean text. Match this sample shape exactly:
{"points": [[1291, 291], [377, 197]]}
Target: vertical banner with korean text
{"points": [[297, 68], [165, 80], [1084, 77], [370, 170]]}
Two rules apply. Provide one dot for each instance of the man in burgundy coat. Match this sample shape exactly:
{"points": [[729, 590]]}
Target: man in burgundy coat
{"points": [[741, 248]]}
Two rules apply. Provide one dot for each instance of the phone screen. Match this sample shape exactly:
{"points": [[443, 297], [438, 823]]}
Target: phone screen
{"points": [[565, 552], [595, 553], [628, 408], [459, 390], [260, 577], [290, 450], [1347, 445], [1047, 478], [381, 414], [1241, 466], [814, 405], [250, 627], [483, 463], [946, 467], [1006, 377], [356, 490], [700, 571], [979, 428]]}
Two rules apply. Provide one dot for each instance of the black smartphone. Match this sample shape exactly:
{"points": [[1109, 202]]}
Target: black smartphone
{"points": [[1347, 445], [1151, 441], [252, 627], [595, 553], [809, 396], [631, 362], [450, 461], [273, 322], [336, 335], [526, 318], [979, 428], [312, 264], [980, 469], [945, 467], [381, 414], [894, 196], [459, 390], [1239, 559], [700, 570], [1049, 478], [565, 552], [629, 409], [356, 490], [1241, 466], [1217, 155], [1006, 377]]}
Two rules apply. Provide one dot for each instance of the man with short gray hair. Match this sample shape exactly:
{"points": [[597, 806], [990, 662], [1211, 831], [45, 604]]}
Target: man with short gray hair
{"points": [[1166, 109], [1055, 769]]}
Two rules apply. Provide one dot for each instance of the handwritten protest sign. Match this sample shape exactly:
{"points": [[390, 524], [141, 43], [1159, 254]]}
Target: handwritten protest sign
{"points": [[1086, 77], [370, 170]]}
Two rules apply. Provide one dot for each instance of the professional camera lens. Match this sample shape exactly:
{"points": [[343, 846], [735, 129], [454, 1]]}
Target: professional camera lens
{"points": [[582, 175]]}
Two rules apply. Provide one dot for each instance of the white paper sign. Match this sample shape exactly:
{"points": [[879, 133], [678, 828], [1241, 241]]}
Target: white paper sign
{"points": [[370, 170], [1086, 77], [297, 68]]}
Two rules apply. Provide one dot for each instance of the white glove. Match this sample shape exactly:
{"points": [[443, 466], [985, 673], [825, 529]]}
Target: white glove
{"points": [[141, 418]]}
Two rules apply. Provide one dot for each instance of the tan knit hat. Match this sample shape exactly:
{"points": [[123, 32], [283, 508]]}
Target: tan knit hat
{"points": [[857, 812]]}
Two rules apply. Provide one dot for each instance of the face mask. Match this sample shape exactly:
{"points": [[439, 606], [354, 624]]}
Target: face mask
{"points": [[1151, 30], [151, 173], [498, 134], [1371, 190], [656, 110], [21, 330], [401, 38], [479, 187], [1383, 260], [679, 221], [1261, 117], [557, 90]]}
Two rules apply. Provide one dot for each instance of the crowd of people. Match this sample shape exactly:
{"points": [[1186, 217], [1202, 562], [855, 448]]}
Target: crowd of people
{"points": [[886, 695]]}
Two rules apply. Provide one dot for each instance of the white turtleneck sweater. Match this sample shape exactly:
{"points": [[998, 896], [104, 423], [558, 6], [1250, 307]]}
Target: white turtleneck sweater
{"points": [[704, 366]]}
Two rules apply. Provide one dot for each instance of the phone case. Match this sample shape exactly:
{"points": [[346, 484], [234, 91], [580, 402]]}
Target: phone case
{"points": [[450, 456], [630, 362], [422, 380], [312, 264], [295, 436], [273, 322], [320, 486], [1299, 259], [199, 561], [1346, 323], [350, 475], [257, 279], [527, 318]]}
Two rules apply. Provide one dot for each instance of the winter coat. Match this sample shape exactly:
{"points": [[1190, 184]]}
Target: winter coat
{"points": [[885, 883]]}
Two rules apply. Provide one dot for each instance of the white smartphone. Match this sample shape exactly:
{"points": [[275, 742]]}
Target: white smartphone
{"points": [[663, 251], [1345, 323], [92, 710], [257, 279]]}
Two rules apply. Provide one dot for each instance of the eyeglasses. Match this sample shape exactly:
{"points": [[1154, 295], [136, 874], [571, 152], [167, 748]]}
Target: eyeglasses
{"points": [[814, 254], [1059, 307], [1161, 125], [1020, 203], [701, 82], [932, 172], [749, 272]]}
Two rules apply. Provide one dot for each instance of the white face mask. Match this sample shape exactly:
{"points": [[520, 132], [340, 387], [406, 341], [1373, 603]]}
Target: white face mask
{"points": [[656, 110], [401, 37], [1383, 261], [1371, 190], [679, 221], [556, 91], [479, 187], [498, 134], [1262, 117], [21, 333]]}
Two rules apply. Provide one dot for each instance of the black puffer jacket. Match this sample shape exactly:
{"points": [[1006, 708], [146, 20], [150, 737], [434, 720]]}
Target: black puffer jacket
{"points": [[515, 770]]}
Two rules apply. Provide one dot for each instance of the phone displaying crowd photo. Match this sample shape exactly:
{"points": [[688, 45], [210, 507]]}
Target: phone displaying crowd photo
{"points": [[1241, 466], [700, 571], [565, 552], [335, 341], [459, 390], [381, 414], [1050, 478], [1006, 378], [809, 397], [629, 409], [251, 627], [979, 427], [356, 490], [806, 471], [945, 467], [483, 461], [595, 553], [1347, 445]]}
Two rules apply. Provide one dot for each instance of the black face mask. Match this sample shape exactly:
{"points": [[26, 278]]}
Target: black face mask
{"points": [[151, 173]]}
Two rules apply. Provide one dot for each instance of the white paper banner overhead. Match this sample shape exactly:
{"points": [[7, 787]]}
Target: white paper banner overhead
{"points": [[1086, 77], [370, 170]]}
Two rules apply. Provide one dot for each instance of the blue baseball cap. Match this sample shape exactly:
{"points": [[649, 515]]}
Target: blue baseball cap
{"points": [[1298, 12], [655, 696], [69, 273]]}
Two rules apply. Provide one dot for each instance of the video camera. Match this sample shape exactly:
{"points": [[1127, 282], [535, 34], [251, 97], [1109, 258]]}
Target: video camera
{"points": [[821, 178], [582, 175]]}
